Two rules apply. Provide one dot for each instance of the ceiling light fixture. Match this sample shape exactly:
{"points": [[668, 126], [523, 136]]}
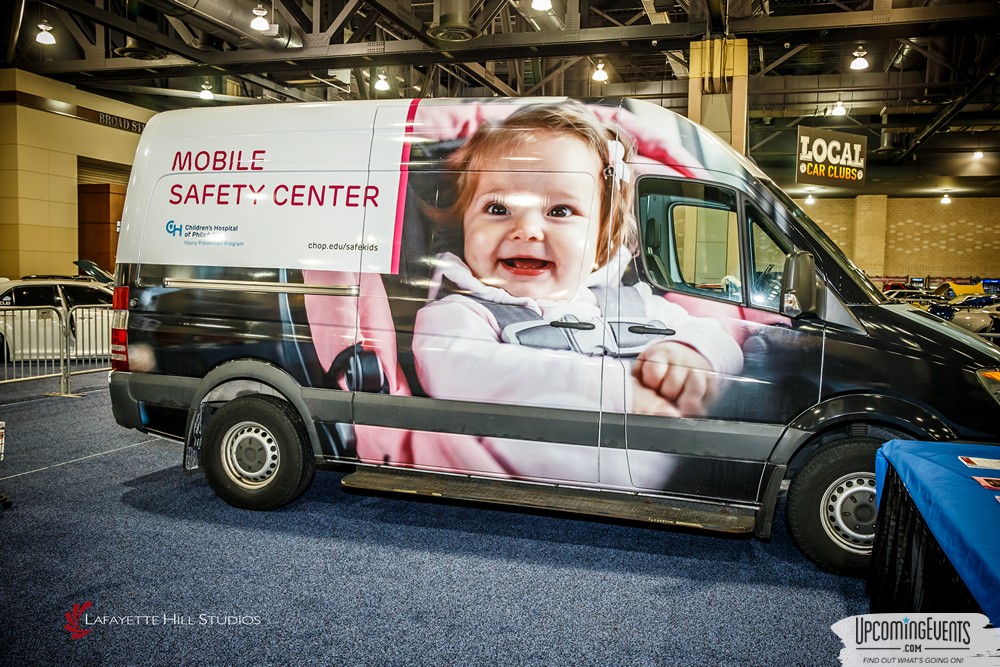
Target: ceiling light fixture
{"points": [[45, 36], [541, 5], [381, 84], [860, 62], [978, 155], [945, 199], [599, 73], [810, 199], [259, 22], [840, 109], [206, 91]]}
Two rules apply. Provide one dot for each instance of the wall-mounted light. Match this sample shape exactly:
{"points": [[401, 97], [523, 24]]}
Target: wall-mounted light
{"points": [[810, 199], [206, 91], [541, 5], [859, 62], [945, 199], [259, 22], [839, 109], [381, 84], [978, 155], [599, 73], [45, 36]]}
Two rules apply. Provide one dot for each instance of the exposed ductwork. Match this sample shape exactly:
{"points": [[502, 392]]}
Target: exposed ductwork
{"points": [[135, 48], [547, 19], [889, 141], [228, 20], [453, 23], [912, 53], [15, 30], [138, 49], [655, 17]]}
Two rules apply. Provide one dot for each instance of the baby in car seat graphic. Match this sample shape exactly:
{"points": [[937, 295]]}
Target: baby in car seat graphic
{"points": [[544, 201], [541, 230]]}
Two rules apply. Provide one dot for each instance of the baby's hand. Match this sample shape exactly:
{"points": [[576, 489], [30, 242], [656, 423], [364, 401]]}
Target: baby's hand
{"points": [[645, 401], [678, 374]]}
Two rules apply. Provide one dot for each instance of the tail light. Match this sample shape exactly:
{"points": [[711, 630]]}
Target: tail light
{"points": [[119, 329]]}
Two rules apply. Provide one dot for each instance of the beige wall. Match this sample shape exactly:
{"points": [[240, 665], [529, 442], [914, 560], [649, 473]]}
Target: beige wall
{"points": [[836, 217], [38, 180], [926, 237], [918, 237]]}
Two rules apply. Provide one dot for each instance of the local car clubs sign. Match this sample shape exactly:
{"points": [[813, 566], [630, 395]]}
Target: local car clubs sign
{"points": [[831, 158]]}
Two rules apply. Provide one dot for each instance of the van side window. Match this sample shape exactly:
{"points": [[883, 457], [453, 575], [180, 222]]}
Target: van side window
{"points": [[690, 237], [767, 261]]}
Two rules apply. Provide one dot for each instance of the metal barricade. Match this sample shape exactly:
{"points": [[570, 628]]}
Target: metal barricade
{"points": [[45, 341]]}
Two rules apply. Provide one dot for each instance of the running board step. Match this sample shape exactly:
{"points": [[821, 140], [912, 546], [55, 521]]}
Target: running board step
{"points": [[666, 511]]}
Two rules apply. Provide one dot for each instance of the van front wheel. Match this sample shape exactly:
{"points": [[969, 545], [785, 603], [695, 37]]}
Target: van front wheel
{"points": [[256, 453], [831, 506]]}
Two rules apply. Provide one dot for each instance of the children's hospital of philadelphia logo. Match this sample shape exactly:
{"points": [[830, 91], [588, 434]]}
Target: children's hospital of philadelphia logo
{"points": [[81, 620]]}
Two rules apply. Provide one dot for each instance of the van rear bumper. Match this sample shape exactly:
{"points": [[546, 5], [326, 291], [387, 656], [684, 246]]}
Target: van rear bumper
{"points": [[123, 406], [130, 390]]}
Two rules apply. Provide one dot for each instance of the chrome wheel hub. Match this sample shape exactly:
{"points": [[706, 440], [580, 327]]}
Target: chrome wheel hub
{"points": [[250, 455], [849, 510]]}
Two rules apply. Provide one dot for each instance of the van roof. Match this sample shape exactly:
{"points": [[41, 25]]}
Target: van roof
{"points": [[704, 149]]}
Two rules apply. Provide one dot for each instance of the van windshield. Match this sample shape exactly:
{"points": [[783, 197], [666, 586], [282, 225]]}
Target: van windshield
{"points": [[815, 232]]}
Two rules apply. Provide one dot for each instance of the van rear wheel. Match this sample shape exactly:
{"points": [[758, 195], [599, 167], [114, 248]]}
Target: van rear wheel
{"points": [[831, 507], [256, 453]]}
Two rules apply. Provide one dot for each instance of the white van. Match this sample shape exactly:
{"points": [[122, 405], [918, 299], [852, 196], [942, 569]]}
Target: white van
{"points": [[591, 307]]}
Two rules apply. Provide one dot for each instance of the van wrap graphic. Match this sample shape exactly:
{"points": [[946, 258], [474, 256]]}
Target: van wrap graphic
{"points": [[451, 309], [535, 289], [404, 165], [300, 197]]}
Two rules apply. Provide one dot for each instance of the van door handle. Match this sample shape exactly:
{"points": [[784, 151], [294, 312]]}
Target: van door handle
{"points": [[583, 326], [650, 331]]}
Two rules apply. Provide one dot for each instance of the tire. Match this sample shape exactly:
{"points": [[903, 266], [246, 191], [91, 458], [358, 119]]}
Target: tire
{"points": [[256, 453], [831, 506]]}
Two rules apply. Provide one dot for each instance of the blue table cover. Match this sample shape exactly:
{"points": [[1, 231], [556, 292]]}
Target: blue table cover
{"points": [[962, 515]]}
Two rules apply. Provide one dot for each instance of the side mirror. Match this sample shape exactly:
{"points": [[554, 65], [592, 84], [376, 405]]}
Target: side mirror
{"points": [[798, 285]]}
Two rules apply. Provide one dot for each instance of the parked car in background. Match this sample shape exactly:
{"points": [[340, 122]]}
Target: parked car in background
{"points": [[917, 297], [95, 271], [982, 321], [893, 286], [974, 312], [951, 290], [974, 300], [33, 308]]}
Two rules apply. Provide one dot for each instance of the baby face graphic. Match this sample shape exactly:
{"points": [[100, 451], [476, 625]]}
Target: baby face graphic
{"points": [[532, 227]]}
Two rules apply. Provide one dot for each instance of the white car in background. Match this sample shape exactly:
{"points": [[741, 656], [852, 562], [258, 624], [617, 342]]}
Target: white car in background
{"points": [[33, 308], [915, 296], [980, 321], [978, 313]]}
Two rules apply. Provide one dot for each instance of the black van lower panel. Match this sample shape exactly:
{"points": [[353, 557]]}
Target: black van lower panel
{"points": [[628, 506], [153, 403], [685, 461]]}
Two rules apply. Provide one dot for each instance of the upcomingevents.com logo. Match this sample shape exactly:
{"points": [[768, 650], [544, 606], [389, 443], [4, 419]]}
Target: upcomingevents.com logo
{"points": [[918, 639], [79, 623]]}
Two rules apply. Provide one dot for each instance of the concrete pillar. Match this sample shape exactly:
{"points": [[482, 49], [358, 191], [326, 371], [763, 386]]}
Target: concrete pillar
{"points": [[717, 88], [870, 216]]}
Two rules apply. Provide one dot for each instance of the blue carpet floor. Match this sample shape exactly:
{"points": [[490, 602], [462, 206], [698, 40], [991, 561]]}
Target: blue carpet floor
{"points": [[177, 577]]}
